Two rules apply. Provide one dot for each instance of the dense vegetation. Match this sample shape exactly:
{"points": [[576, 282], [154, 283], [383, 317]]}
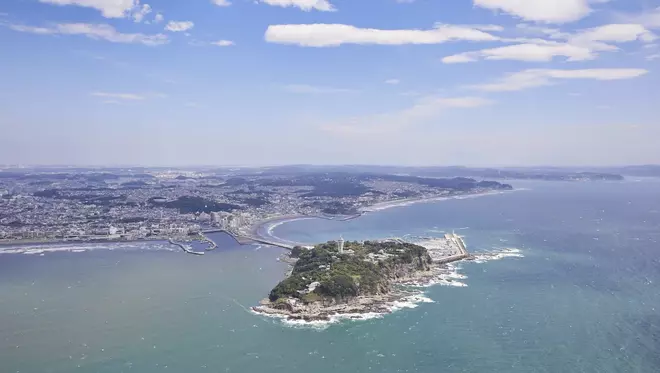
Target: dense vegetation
{"points": [[342, 276]]}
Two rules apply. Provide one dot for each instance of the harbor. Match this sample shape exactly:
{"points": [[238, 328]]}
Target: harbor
{"points": [[451, 248]]}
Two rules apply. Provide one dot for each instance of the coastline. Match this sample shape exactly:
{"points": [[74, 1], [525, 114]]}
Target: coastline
{"points": [[42, 246], [407, 293], [25, 242], [411, 201], [261, 229], [439, 271], [267, 225]]}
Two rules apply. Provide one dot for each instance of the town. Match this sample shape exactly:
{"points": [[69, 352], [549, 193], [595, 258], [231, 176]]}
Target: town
{"points": [[127, 204]]}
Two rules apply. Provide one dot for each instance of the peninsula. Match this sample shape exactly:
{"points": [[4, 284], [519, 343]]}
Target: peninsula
{"points": [[352, 278]]}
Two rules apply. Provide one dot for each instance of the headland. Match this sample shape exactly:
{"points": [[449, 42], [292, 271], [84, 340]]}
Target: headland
{"points": [[353, 278]]}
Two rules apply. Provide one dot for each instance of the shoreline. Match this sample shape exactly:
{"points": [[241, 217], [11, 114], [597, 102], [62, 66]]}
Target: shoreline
{"points": [[258, 227], [269, 224], [440, 271], [407, 293], [74, 245], [26, 242], [411, 201]]}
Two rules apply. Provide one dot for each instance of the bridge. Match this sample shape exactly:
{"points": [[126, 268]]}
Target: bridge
{"points": [[246, 239]]}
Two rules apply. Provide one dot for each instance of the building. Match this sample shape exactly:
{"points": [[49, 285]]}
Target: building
{"points": [[340, 245]]}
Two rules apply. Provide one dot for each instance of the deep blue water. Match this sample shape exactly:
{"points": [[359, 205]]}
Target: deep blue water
{"points": [[585, 297]]}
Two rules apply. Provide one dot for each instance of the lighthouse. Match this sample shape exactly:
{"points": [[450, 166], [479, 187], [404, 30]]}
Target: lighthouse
{"points": [[340, 245]]}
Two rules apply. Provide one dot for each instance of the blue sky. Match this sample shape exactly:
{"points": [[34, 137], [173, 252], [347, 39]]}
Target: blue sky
{"points": [[472, 82]]}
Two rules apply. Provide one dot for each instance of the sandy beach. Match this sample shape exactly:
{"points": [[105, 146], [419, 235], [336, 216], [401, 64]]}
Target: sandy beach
{"points": [[263, 229]]}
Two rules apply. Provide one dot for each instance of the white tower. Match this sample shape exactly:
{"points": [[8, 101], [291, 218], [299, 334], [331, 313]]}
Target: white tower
{"points": [[340, 245]]}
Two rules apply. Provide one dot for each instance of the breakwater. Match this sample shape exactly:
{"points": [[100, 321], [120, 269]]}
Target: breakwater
{"points": [[185, 248]]}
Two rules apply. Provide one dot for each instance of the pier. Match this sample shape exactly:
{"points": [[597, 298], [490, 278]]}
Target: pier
{"points": [[460, 244], [212, 245]]}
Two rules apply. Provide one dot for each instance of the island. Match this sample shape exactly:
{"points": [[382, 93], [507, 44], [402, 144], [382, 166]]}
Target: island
{"points": [[353, 278]]}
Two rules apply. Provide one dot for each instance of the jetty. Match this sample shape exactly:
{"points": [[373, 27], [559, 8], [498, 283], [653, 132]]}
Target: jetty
{"points": [[458, 242], [212, 245], [185, 248]]}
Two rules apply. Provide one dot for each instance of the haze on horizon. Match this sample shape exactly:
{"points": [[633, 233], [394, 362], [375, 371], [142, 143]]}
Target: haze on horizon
{"points": [[273, 82]]}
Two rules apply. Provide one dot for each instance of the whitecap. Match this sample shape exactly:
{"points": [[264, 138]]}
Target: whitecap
{"points": [[80, 247], [497, 255]]}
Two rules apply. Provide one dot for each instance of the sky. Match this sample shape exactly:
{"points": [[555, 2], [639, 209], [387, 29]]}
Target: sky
{"points": [[268, 82]]}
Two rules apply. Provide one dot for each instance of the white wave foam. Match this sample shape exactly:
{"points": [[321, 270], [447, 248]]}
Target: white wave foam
{"points": [[407, 302], [497, 255], [322, 324], [40, 249], [389, 205], [271, 226], [411, 301]]}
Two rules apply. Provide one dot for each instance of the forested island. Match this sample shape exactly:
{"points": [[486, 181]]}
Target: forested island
{"points": [[359, 278]]}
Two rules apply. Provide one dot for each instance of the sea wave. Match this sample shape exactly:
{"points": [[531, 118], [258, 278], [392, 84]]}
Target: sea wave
{"points": [[270, 227], [498, 254], [42, 249], [388, 205], [321, 324], [407, 302], [449, 275]]}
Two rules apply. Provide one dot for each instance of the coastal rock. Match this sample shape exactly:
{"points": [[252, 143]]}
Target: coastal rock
{"points": [[325, 282]]}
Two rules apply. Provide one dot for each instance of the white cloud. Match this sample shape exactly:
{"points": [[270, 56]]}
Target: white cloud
{"points": [[181, 26], [616, 33], [332, 35], [525, 52], [653, 57], [158, 18], [495, 28], [541, 77], [119, 96], [392, 81], [649, 19], [109, 8], [223, 43], [551, 11], [221, 2], [581, 46], [310, 89], [424, 109], [306, 5], [139, 14], [534, 29], [94, 31]]}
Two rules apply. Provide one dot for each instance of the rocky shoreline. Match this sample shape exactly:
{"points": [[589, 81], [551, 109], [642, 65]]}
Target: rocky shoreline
{"points": [[293, 309]]}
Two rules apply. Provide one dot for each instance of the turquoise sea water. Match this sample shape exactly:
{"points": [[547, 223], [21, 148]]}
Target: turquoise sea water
{"points": [[584, 298]]}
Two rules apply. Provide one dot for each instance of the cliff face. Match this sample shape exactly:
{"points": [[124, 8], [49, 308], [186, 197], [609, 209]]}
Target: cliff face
{"points": [[326, 277], [402, 270]]}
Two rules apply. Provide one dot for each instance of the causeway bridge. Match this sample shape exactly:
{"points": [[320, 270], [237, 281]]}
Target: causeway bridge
{"points": [[247, 239]]}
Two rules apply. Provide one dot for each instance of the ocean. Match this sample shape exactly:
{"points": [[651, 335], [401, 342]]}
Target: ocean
{"points": [[579, 294]]}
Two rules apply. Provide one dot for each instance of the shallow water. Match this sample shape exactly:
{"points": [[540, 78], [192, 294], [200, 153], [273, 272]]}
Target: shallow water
{"points": [[583, 298]]}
